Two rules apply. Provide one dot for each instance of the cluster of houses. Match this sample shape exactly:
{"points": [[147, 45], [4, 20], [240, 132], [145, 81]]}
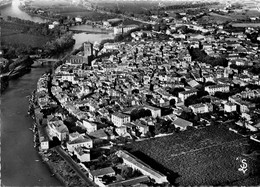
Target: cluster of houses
{"points": [[127, 160], [102, 94], [43, 98]]}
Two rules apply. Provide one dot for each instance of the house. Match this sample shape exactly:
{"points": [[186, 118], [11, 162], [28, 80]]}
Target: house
{"points": [[78, 19], [43, 139], [185, 94], [81, 141], [119, 119], [82, 153], [201, 108], [57, 129], [137, 164], [156, 112], [137, 181], [99, 134], [230, 107], [124, 29], [75, 135], [90, 126], [181, 123], [245, 106], [193, 83], [121, 131], [76, 60], [96, 175], [212, 89], [142, 128]]}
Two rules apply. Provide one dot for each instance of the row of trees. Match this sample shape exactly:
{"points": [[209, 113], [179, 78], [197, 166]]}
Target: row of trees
{"points": [[25, 60], [64, 42], [34, 28], [140, 113], [200, 55], [164, 126]]}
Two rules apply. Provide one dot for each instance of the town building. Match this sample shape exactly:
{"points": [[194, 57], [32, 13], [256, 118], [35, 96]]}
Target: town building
{"points": [[137, 164], [217, 88], [230, 107], [119, 119], [181, 123], [185, 94], [81, 141]]}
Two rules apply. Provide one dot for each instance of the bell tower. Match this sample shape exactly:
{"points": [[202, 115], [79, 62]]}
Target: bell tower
{"points": [[88, 49]]}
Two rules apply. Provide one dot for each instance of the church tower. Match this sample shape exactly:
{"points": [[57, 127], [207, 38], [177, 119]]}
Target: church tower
{"points": [[88, 49]]}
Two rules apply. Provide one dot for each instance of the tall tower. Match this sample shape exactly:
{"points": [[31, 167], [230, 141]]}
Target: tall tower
{"points": [[88, 49]]}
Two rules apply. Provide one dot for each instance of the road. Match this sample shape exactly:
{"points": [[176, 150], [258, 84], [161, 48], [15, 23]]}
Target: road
{"points": [[73, 165]]}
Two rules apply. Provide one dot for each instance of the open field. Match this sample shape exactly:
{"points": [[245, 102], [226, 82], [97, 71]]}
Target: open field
{"points": [[8, 32], [197, 157], [13, 33], [89, 28], [25, 39], [50, 3], [246, 24], [89, 14]]}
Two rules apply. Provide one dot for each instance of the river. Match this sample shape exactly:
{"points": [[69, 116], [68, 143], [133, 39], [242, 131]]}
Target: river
{"points": [[19, 159], [14, 11], [19, 165]]}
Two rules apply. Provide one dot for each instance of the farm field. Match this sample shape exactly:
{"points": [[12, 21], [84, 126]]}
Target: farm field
{"points": [[209, 156]]}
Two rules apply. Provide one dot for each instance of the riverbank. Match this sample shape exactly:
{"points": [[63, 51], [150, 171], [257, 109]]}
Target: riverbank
{"points": [[47, 147], [5, 3], [47, 18], [4, 82]]}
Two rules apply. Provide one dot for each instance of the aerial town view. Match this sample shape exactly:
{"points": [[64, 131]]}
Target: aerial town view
{"points": [[130, 93]]}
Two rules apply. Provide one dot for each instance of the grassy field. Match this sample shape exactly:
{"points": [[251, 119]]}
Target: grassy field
{"points": [[50, 3], [128, 6], [197, 157], [246, 24], [88, 28], [25, 39], [89, 14], [13, 33]]}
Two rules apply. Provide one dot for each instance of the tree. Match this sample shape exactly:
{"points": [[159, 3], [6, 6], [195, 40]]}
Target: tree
{"points": [[135, 91], [187, 115], [175, 91], [172, 102], [202, 93], [126, 172], [222, 95], [150, 134], [108, 179], [193, 99], [157, 27]]}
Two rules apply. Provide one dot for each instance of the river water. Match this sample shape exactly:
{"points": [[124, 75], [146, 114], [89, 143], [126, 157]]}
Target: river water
{"points": [[19, 159], [14, 11]]}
